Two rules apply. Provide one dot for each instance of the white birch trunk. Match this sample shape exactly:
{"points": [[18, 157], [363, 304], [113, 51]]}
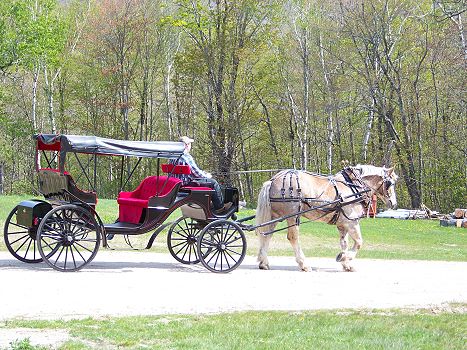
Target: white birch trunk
{"points": [[35, 78], [369, 126], [330, 125]]}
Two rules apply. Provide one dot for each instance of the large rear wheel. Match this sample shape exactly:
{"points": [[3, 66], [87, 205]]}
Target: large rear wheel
{"points": [[68, 238], [182, 238], [221, 246], [20, 240]]}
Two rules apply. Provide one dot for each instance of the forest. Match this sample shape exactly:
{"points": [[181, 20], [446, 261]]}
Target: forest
{"points": [[259, 84]]}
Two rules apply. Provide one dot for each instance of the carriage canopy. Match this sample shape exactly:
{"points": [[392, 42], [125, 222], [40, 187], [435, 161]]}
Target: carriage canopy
{"points": [[104, 146]]}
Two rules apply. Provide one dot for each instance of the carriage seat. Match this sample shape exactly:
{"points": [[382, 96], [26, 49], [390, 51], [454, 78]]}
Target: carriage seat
{"points": [[52, 185], [185, 170], [161, 188]]}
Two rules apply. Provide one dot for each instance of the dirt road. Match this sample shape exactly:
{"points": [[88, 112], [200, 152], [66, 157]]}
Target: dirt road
{"points": [[144, 283]]}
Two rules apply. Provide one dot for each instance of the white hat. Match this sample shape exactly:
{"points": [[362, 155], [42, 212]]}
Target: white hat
{"points": [[186, 139]]}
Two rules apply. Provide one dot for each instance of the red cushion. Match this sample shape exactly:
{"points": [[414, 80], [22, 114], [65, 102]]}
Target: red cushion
{"points": [[143, 203], [196, 188], [176, 169]]}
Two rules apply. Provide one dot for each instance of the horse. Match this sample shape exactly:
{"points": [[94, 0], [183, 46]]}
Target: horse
{"points": [[341, 199]]}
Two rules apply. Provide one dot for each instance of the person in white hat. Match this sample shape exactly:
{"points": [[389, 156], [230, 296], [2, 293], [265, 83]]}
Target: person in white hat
{"points": [[200, 176]]}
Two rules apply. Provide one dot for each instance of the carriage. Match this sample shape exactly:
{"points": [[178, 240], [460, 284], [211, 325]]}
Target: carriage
{"points": [[65, 231]]}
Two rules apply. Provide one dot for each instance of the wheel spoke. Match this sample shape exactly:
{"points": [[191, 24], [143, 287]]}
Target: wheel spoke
{"points": [[226, 260], [73, 256], [82, 246], [16, 233], [18, 225], [29, 246], [206, 243], [53, 237], [11, 243], [234, 240], [82, 257], [58, 257], [66, 256], [179, 244], [186, 250], [22, 244], [233, 251], [181, 250], [86, 240], [214, 253]]}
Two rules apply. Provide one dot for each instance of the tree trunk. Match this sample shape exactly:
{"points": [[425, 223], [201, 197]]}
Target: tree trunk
{"points": [[330, 126], [35, 78]]}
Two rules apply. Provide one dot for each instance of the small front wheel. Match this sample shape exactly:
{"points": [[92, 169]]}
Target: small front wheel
{"points": [[182, 238], [68, 238], [221, 246]]}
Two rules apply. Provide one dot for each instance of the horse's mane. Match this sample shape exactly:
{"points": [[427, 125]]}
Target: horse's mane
{"points": [[370, 170]]}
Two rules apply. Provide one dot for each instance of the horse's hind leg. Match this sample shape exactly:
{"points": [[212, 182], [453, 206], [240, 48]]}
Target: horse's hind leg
{"points": [[263, 251], [343, 243], [292, 236]]}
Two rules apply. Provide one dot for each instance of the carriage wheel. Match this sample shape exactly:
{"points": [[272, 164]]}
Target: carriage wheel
{"points": [[182, 238], [21, 240], [221, 246], [68, 238]]}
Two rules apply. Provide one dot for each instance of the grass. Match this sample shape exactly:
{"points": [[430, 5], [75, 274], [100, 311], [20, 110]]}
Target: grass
{"points": [[383, 238], [363, 329], [342, 329]]}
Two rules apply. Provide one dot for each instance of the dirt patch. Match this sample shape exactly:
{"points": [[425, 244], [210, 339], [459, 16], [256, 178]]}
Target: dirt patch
{"points": [[51, 339]]}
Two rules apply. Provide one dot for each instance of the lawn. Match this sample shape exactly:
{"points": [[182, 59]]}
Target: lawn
{"points": [[345, 329], [383, 238]]}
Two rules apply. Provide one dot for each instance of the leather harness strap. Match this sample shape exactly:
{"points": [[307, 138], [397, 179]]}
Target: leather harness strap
{"points": [[352, 181]]}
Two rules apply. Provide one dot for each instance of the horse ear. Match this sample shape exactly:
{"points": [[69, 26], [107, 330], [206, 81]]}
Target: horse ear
{"points": [[390, 170]]}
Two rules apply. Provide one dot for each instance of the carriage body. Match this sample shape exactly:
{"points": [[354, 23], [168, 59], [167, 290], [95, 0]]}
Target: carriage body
{"points": [[65, 231]]}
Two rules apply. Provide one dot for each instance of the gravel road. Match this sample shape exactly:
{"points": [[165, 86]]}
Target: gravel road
{"points": [[119, 283]]}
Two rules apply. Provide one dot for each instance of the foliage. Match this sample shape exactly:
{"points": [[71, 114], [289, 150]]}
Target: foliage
{"points": [[259, 85]]}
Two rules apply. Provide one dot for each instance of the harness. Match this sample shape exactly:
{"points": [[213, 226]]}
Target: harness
{"points": [[352, 180]]}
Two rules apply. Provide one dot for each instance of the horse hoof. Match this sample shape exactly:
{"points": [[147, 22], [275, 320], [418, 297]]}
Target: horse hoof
{"points": [[305, 269], [348, 268], [340, 257], [264, 267]]}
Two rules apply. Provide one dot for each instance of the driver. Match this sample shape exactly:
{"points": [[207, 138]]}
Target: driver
{"points": [[200, 176]]}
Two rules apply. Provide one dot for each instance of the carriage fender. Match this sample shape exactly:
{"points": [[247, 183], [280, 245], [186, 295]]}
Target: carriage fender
{"points": [[31, 211]]}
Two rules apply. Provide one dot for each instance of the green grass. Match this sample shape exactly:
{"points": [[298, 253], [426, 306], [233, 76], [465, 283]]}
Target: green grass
{"points": [[383, 238], [369, 329]]}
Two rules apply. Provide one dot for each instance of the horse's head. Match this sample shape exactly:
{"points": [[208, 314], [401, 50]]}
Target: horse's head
{"points": [[381, 181]]}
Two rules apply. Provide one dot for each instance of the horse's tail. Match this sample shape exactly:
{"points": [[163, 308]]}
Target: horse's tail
{"points": [[263, 209]]}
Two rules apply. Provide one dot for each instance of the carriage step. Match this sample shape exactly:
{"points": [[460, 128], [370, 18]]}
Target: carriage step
{"points": [[120, 226]]}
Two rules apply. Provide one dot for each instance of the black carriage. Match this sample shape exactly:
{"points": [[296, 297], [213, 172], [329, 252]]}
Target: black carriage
{"points": [[65, 231]]}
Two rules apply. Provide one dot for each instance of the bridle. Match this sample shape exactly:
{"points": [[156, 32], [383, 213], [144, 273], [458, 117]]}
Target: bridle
{"points": [[386, 183]]}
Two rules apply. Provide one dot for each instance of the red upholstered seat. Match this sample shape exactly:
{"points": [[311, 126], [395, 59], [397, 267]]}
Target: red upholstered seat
{"points": [[131, 204]]}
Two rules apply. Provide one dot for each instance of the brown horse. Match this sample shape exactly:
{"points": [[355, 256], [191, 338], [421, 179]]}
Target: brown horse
{"points": [[340, 199]]}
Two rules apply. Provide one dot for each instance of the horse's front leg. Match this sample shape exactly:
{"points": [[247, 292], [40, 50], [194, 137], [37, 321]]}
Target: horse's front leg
{"points": [[354, 231], [292, 236]]}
